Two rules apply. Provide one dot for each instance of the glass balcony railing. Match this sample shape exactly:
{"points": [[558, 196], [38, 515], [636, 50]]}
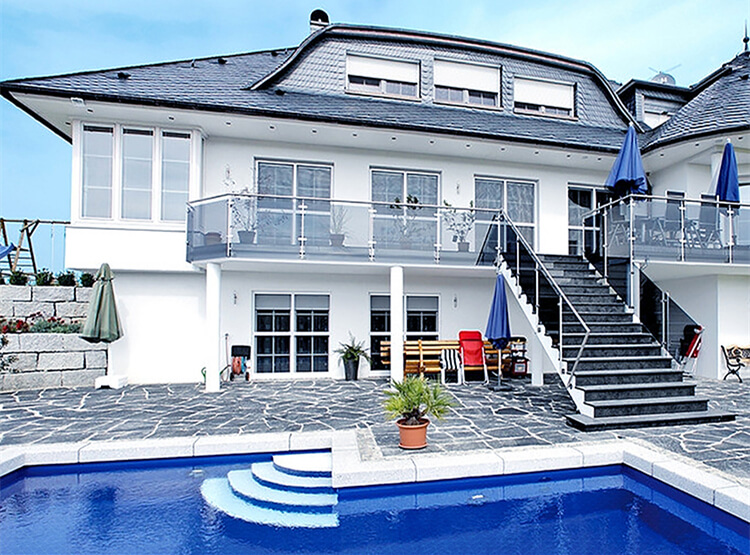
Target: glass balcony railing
{"points": [[673, 228], [268, 227]]}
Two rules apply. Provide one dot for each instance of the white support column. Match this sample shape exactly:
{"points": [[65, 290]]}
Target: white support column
{"points": [[213, 326], [537, 360], [397, 323]]}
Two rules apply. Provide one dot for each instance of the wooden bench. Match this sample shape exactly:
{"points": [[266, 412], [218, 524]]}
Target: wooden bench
{"points": [[422, 356]]}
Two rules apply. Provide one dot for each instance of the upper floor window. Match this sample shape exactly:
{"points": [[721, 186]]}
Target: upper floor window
{"points": [[153, 178], [533, 96], [461, 83], [515, 197], [382, 76]]}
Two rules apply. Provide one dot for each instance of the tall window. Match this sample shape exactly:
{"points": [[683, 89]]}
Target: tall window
{"points": [[381, 76], [408, 223], [286, 344], [137, 173], [515, 197], [462, 83], [175, 175], [582, 199], [421, 322], [152, 182], [279, 219], [98, 152], [543, 97]]}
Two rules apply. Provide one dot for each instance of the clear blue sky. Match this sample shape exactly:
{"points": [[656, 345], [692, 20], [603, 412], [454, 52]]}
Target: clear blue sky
{"points": [[46, 37]]}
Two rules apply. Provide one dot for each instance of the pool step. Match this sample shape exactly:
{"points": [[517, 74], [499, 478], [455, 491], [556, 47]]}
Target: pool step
{"points": [[294, 491]]}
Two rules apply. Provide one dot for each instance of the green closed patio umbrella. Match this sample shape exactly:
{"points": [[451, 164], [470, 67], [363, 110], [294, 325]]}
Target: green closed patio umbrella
{"points": [[102, 323]]}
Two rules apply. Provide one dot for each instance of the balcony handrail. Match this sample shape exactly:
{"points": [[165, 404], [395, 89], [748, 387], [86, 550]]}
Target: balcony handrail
{"points": [[562, 297], [626, 199], [227, 196]]}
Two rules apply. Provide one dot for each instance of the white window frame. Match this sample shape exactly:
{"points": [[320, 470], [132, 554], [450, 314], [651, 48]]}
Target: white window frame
{"points": [[115, 218], [457, 85], [522, 225], [581, 228], [382, 76], [542, 109], [292, 334]]}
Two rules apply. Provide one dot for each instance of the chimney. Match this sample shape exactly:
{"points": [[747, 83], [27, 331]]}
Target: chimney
{"points": [[318, 20]]}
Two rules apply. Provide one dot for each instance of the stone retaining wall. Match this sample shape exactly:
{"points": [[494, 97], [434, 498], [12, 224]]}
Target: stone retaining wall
{"points": [[49, 359], [18, 301]]}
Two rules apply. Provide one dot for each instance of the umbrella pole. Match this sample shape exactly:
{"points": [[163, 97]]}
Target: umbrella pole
{"points": [[501, 385]]}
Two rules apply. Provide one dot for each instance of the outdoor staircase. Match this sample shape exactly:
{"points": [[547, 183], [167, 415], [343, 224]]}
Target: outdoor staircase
{"points": [[623, 378], [291, 491]]}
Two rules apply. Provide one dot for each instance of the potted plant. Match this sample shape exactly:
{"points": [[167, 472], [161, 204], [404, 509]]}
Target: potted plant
{"points": [[339, 217], [350, 353], [404, 222], [460, 223], [410, 402], [244, 208]]}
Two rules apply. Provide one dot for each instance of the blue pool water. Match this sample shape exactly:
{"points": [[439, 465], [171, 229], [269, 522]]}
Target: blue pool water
{"points": [[157, 507]]}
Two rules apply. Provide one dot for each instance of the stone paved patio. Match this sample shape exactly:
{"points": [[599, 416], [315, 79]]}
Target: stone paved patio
{"points": [[481, 418]]}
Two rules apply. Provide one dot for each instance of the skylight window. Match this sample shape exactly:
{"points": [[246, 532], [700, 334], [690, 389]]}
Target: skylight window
{"points": [[548, 98], [461, 83], [380, 76]]}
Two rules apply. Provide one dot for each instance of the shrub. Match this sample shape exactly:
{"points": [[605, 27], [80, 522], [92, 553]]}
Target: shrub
{"points": [[43, 277], [87, 279], [6, 361], [18, 278], [54, 325], [13, 325], [66, 278]]}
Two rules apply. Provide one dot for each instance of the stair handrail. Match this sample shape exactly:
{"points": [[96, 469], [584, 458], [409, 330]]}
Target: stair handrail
{"points": [[562, 297]]}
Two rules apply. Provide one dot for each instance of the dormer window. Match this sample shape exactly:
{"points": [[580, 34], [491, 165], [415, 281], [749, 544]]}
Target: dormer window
{"points": [[547, 98], [382, 76], [461, 83]]}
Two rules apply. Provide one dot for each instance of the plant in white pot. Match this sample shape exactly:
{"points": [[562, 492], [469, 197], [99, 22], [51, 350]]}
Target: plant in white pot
{"points": [[410, 402], [350, 353], [459, 223]]}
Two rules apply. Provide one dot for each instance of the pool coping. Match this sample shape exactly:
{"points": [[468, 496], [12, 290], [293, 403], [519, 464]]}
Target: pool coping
{"points": [[350, 469]]}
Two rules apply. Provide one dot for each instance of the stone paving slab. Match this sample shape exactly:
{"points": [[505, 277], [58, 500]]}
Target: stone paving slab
{"points": [[481, 419]]}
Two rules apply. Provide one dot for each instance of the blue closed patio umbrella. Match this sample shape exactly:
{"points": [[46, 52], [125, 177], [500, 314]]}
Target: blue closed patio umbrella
{"points": [[728, 183], [627, 176], [498, 327]]}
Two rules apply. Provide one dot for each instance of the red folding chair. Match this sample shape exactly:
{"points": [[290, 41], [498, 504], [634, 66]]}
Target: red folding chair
{"points": [[471, 347]]}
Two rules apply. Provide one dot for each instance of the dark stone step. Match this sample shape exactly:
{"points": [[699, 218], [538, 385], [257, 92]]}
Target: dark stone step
{"points": [[615, 377], [604, 298], [598, 317], [572, 339], [588, 424], [573, 272], [659, 405], [613, 351], [621, 363], [578, 280], [612, 392], [599, 327], [594, 289], [571, 258]]}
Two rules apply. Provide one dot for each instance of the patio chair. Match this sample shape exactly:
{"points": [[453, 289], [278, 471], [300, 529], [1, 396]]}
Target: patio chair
{"points": [[471, 347], [734, 364], [450, 361], [671, 226], [618, 225], [708, 222]]}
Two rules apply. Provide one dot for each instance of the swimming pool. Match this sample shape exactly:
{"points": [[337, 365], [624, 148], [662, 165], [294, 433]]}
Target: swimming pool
{"points": [[157, 507]]}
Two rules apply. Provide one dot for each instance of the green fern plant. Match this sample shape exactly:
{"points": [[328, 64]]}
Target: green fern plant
{"points": [[414, 398]]}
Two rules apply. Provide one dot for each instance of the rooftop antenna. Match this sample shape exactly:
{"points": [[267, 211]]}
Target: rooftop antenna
{"points": [[663, 76], [746, 39]]}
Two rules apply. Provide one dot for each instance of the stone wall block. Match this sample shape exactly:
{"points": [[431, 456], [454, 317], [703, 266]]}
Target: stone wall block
{"points": [[83, 294], [81, 378], [71, 342], [96, 359], [25, 362], [60, 361], [24, 309], [31, 380], [15, 293], [42, 342], [14, 343], [6, 309], [52, 293], [71, 310]]}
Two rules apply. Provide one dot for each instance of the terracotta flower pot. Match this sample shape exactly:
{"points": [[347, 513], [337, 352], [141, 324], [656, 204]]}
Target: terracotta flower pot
{"points": [[413, 437]]}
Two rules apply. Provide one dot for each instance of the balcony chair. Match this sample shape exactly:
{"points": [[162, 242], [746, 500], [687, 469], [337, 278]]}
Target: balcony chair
{"points": [[471, 347], [708, 222], [670, 227], [618, 225], [734, 362]]}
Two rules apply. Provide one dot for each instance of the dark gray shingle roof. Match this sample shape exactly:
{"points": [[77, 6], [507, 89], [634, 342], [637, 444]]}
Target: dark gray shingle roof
{"points": [[721, 103]]}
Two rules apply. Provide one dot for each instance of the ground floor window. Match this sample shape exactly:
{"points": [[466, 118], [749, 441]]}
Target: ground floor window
{"points": [[421, 322], [291, 333]]}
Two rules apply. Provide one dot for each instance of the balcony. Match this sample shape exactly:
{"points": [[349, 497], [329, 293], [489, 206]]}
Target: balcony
{"points": [[672, 228], [268, 227]]}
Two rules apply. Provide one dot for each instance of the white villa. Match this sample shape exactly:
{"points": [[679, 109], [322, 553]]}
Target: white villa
{"points": [[356, 184]]}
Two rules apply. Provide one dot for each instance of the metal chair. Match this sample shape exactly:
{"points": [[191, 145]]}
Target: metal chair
{"points": [[734, 364]]}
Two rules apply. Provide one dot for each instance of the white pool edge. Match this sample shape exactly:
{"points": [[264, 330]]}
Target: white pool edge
{"points": [[350, 470]]}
